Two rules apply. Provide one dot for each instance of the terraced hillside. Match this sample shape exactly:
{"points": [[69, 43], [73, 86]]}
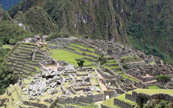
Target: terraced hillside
{"points": [[24, 58], [68, 51]]}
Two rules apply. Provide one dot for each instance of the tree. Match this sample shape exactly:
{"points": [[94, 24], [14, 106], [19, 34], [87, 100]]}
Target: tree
{"points": [[163, 78], [6, 75], [102, 60], [80, 62]]}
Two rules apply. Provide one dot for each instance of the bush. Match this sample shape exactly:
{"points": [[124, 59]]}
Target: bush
{"points": [[126, 67], [6, 75], [163, 78], [80, 62], [122, 61], [102, 60]]}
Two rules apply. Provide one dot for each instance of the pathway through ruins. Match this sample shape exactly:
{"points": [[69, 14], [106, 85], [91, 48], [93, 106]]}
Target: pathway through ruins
{"points": [[103, 87]]}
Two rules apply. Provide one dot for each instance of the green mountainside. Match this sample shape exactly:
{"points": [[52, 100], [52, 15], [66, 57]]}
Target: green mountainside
{"points": [[145, 24]]}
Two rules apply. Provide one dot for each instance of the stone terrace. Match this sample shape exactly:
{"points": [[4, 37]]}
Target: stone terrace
{"points": [[132, 98], [24, 58]]}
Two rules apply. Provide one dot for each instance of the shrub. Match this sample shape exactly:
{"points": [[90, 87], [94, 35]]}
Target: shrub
{"points": [[126, 66], [80, 62], [163, 78], [102, 60], [122, 61]]}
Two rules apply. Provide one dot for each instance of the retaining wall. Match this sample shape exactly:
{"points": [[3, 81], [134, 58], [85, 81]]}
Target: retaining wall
{"points": [[122, 104]]}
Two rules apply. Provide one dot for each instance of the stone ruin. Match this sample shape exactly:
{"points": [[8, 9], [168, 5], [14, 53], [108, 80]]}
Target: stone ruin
{"points": [[60, 79], [65, 80]]}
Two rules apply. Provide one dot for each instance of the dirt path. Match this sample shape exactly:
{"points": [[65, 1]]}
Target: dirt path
{"points": [[103, 87]]}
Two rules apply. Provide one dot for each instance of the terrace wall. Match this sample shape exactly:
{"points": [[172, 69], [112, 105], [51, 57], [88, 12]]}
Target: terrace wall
{"points": [[122, 104], [144, 79], [104, 106], [146, 97], [76, 100], [106, 76]]}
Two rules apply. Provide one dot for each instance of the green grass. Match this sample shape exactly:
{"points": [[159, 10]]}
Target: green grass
{"points": [[111, 62], [91, 106], [95, 81], [86, 52], [75, 105], [83, 47], [125, 76], [122, 98], [118, 72], [67, 56], [154, 91], [153, 87], [110, 103], [152, 63], [7, 46], [93, 73]]}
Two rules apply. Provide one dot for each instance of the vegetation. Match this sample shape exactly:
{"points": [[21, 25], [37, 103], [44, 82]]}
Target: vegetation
{"points": [[64, 56], [154, 91], [6, 74], [102, 60], [110, 103], [125, 66], [7, 46], [122, 98], [157, 104], [148, 24], [153, 87], [11, 33], [126, 76], [163, 78], [80, 62], [151, 31], [57, 35]]}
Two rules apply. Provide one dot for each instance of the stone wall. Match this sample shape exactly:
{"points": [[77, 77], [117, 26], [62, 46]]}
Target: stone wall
{"points": [[76, 100], [122, 104], [35, 104], [98, 97], [104, 106], [136, 75], [130, 97], [143, 98], [110, 93], [2, 101], [106, 76]]}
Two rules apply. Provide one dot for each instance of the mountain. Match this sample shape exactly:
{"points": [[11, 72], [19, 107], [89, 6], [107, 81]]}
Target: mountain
{"points": [[7, 4], [38, 20], [11, 32], [145, 24]]}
